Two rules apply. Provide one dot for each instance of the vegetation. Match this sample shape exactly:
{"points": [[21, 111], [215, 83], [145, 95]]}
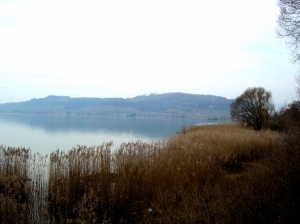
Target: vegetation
{"points": [[207, 174], [171, 103], [288, 25], [23, 186], [254, 108]]}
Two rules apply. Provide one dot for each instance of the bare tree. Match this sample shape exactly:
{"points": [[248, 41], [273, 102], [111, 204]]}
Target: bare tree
{"points": [[254, 107], [289, 28], [288, 25], [298, 87]]}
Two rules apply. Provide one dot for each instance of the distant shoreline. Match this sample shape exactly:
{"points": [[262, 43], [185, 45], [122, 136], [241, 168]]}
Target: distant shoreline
{"points": [[150, 115]]}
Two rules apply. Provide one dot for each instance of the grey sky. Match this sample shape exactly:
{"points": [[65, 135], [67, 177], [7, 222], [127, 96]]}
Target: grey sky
{"points": [[105, 48]]}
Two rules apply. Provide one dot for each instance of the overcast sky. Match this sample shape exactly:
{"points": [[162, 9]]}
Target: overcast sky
{"points": [[124, 48]]}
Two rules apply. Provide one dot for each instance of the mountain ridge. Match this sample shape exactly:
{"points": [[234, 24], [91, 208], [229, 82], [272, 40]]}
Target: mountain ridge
{"points": [[166, 103]]}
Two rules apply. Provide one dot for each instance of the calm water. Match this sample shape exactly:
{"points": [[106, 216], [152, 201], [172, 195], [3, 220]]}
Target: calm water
{"points": [[46, 133]]}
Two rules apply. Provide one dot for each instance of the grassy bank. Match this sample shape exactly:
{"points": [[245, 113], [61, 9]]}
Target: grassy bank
{"points": [[210, 174]]}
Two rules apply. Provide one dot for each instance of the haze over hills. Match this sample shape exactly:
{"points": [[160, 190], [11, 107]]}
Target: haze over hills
{"points": [[167, 104]]}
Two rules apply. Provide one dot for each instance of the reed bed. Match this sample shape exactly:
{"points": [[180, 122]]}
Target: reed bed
{"points": [[208, 174], [23, 186]]}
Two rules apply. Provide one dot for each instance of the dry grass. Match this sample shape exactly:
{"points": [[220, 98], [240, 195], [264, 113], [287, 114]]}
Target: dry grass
{"points": [[23, 186], [209, 174]]}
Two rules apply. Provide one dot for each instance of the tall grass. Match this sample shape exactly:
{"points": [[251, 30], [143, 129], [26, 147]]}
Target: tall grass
{"points": [[209, 174], [22, 186]]}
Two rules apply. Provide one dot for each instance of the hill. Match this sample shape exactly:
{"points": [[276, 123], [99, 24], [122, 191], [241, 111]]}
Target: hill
{"points": [[167, 104]]}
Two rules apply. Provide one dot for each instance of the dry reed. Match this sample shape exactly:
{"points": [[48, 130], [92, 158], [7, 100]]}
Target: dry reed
{"points": [[22, 186], [208, 174]]}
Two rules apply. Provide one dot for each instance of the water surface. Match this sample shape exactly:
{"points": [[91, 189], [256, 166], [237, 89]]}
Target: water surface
{"points": [[46, 133]]}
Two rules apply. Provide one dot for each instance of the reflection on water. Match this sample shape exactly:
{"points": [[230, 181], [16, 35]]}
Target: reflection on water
{"points": [[46, 133]]}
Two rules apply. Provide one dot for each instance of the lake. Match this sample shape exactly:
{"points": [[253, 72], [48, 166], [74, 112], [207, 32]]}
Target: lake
{"points": [[46, 133]]}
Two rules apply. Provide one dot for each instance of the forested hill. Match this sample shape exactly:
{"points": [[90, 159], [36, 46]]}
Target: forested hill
{"points": [[172, 104]]}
